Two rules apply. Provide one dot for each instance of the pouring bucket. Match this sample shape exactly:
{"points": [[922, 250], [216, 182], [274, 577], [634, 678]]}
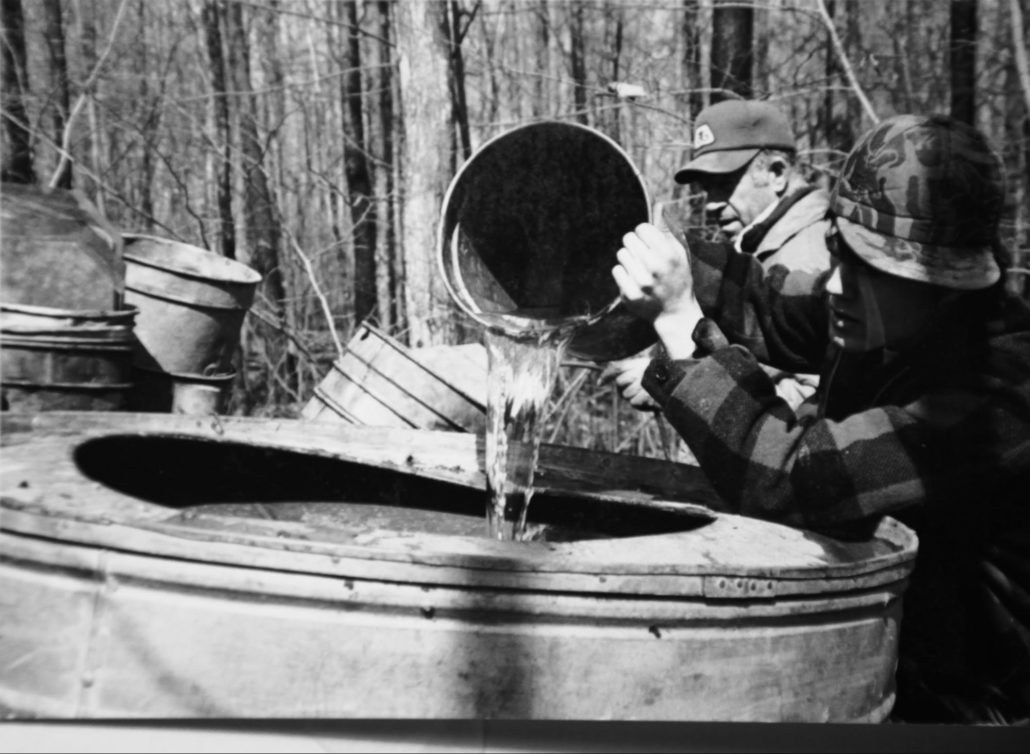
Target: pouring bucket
{"points": [[529, 231], [62, 359], [191, 304]]}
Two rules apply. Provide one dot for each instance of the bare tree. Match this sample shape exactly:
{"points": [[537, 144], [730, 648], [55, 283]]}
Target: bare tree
{"points": [[260, 211], [427, 164], [732, 59], [458, 22], [213, 16], [577, 60], [963, 60], [58, 60], [17, 165], [388, 287], [356, 165]]}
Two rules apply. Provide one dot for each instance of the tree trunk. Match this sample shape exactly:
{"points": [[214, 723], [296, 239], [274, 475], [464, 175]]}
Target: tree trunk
{"points": [[426, 162], [455, 30], [359, 179], [213, 18], [963, 60], [732, 55], [381, 140], [260, 215], [613, 41], [692, 78], [54, 34], [542, 53], [577, 61], [151, 106], [17, 164], [840, 113]]}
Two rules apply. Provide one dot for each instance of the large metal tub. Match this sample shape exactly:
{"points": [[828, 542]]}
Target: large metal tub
{"points": [[176, 566]]}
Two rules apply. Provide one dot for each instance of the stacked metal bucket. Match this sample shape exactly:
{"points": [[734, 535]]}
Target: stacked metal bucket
{"points": [[94, 320], [191, 308]]}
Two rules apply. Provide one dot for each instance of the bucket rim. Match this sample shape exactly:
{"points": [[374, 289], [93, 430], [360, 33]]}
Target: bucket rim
{"points": [[442, 244], [189, 376], [248, 275], [127, 311]]}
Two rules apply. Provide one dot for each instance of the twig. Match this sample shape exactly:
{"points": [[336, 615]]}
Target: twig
{"points": [[838, 47], [1019, 47], [86, 87], [270, 320], [323, 302]]}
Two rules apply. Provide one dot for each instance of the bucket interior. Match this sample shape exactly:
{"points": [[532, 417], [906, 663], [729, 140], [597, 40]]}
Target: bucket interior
{"points": [[243, 480], [532, 223]]}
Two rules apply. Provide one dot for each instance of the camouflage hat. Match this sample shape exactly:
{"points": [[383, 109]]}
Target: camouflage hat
{"points": [[728, 134], [921, 198]]}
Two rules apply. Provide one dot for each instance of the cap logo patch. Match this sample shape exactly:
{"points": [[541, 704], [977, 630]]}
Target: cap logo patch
{"points": [[703, 136]]}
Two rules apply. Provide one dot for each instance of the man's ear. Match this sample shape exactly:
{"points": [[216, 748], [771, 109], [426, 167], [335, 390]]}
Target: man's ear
{"points": [[779, 174]]}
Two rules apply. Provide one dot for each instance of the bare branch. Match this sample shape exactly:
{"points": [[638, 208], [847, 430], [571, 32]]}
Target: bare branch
{"points": [[1019, 47], [86, 87], [838, 47], [323, 302]]}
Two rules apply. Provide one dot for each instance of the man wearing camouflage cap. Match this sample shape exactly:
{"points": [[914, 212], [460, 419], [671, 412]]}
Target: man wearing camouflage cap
{"points": [[923, 409]]}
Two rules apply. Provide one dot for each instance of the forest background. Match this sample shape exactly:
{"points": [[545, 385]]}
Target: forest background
{"points": [[315, 139]]}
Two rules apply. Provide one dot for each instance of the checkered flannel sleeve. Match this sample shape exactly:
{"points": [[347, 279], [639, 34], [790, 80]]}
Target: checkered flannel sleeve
{"points": [[764, 459], [778, 315]]}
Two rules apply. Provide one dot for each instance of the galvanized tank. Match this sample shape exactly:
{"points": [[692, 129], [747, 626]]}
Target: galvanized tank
{"points": [[159, 566]]}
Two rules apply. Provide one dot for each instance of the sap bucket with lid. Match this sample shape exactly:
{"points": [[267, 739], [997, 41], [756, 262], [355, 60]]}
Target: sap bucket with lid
{"points": [[530, 228]]}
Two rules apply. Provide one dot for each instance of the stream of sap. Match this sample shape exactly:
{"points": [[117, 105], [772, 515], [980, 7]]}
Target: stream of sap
{"points": [[522, 373]]}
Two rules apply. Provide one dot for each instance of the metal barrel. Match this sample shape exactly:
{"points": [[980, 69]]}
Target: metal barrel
{"points": [[60, 359], [191, 302], [530, 227]]}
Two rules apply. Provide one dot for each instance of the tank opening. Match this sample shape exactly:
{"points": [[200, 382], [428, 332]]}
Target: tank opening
{"points": [[237, 479]]}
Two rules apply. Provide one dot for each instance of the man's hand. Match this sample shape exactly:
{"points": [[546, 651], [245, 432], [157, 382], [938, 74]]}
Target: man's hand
{"points": [[655, 281], [627, 375]]}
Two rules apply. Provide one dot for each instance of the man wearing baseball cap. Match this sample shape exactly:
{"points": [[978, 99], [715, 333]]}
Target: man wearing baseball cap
{"points": [[744, 160], [922, 412]]}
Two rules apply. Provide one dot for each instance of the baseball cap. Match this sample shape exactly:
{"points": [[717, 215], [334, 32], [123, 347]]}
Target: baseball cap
{"points": [[920, 197], [728, 134]]}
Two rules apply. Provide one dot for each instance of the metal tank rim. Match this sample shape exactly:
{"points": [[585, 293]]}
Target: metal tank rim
{"points": [[43, 490]]}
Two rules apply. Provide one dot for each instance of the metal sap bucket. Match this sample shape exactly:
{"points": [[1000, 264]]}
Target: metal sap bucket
{"points": [[61, 359], [530, 228], [178, 393], [191, 304], [380, 382]]}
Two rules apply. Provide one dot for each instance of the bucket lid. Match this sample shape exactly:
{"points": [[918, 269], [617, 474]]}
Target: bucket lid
{"points": [[26, 319]]}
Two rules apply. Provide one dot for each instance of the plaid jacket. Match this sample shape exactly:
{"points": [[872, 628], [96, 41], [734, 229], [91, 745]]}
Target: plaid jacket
{"points": [[938, 438]]}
